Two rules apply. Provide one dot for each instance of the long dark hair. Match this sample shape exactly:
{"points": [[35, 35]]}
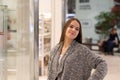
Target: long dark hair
{"points": [[66, 25]]}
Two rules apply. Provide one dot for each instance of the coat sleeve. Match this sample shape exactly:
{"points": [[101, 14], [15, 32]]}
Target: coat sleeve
{"points": [[52, 53], [49, 64], [96, 62], [118, 38]]}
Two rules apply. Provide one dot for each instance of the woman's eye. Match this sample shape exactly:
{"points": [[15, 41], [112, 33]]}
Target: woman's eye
{"points": [[71, 26], [77, 29]]}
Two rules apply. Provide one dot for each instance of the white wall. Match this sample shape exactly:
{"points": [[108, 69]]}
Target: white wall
{"points": [[56, 21], [86, 13]]}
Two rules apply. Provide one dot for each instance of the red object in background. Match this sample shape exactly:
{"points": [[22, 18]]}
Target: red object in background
{"points": [[116, 8], [117, 0]]}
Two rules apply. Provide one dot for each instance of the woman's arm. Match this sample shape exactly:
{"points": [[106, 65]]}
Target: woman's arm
{"points": [[118, 38], [97, 63]]}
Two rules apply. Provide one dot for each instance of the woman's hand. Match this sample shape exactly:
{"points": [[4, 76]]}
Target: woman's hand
{"points": [[116, 42]]}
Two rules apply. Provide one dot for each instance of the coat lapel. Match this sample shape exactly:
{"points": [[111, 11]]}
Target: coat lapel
{"points": [[55, 65], [67, 53]]}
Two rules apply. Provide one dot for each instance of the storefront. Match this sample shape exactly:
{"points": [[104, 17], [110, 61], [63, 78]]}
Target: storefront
{"points": [[28, 31]]}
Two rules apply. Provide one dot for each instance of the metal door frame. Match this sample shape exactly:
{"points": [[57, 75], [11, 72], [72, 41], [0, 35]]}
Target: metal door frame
{"points": [[36, 39]]}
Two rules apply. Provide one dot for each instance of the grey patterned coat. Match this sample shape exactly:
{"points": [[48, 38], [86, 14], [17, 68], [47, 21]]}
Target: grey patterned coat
{"points": [[76, 64]]}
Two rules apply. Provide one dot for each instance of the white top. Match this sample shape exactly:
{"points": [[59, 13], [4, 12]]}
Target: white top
{"points": [[60, 58]]}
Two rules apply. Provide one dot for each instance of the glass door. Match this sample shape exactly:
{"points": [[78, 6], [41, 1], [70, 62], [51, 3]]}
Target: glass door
{"points": [[19, 40], [3, 36]]}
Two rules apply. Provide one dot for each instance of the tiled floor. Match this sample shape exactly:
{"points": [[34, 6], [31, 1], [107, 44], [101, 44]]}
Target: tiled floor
{"points": [[113, 67]]}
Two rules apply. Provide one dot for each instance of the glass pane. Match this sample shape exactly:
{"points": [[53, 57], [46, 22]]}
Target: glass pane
{"points": [[17, 42], [3, 67]]}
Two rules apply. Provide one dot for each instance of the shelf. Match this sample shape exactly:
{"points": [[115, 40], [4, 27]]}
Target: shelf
{"points": [[45, 34], [11, 51], [11, 70]]}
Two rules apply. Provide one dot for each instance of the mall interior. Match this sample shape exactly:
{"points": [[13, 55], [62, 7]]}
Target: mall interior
{"points": [[29, 29]]}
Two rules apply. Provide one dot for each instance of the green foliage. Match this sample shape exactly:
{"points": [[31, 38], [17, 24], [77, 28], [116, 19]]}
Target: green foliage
{"points": [[105, 22]]}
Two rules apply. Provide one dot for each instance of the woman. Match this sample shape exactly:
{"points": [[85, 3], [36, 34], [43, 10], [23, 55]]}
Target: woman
{"points": [[112, 41], [70, 60]]}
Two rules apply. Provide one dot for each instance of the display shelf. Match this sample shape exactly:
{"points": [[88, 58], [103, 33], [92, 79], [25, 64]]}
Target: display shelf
{"points": [[11, 70], [11, 51], [45, 34], [44, 41]]}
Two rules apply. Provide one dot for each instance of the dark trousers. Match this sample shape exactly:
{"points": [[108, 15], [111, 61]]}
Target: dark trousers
{"points": [[110, 46]]}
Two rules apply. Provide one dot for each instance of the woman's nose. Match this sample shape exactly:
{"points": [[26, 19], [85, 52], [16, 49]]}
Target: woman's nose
{"points": [[73, 29]]}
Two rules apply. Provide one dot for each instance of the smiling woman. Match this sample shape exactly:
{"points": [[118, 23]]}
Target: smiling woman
{"points": [[70, 60], [73, 30]]}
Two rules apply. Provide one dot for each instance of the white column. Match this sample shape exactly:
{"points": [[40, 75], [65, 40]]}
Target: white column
{"points": [[56, 22]]}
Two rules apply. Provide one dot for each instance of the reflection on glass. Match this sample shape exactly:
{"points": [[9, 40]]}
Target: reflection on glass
{"points": [[44, 42], [17, 40]]}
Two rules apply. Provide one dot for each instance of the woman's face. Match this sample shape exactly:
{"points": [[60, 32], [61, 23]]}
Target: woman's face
{"points": [[72, 30], [113, 31]]}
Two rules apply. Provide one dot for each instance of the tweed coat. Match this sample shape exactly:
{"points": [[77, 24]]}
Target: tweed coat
{"points": [[76, 64]]}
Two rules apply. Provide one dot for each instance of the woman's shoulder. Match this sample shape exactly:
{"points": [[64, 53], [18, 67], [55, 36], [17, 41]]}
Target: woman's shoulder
{"points": [[81, 49], [81, 46]]}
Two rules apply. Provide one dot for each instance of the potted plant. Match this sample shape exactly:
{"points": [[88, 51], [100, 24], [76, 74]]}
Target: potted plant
{"points": [[105, 21]]}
